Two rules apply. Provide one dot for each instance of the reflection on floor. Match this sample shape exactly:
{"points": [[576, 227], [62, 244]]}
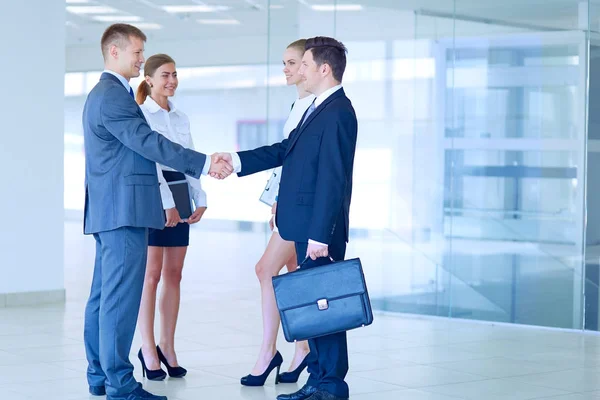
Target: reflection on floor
{"points": [[398, 357]]}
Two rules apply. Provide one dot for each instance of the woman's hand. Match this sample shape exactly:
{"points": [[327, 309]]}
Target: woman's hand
{"points": [[196, 216], [173, 217], [272, 220]]}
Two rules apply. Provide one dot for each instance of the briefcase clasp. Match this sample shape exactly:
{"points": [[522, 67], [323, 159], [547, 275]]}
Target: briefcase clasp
{"points": [[322, 304]]}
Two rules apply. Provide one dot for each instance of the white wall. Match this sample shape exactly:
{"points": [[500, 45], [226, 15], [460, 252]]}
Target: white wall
{"points": [[31, 154]]}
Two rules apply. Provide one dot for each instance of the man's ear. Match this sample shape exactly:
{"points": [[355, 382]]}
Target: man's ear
{"points": [[113, 51]]}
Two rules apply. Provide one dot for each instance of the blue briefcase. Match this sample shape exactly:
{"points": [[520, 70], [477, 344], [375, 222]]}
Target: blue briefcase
{"points": [[323, 300]]}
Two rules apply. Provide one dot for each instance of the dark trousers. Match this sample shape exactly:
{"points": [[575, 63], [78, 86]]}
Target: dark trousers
{"points": [[328, 359]]}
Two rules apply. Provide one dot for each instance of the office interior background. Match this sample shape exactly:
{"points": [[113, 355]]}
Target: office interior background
{"points": [[475, 210], [475, 184], [477, 144], [477, 173]]}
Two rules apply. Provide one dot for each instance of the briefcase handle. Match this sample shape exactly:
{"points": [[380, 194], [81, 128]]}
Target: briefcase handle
{"points": [[308, 258]]}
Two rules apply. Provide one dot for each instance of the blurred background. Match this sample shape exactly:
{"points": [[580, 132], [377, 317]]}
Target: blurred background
{"points": [[475, 185]]}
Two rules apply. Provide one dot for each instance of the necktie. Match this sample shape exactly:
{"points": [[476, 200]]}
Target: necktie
{"points": [[309, 111], [131, 93]]}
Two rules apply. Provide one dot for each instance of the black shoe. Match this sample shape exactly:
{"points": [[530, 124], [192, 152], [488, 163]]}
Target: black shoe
{"points": [[153, 375], [323, 395], [253, 380], [174, 372], [138, 394], [98, 390], [292, 377], [304, 393]]}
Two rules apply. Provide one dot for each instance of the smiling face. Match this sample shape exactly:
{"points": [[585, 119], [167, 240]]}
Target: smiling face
{"points": [[129, 57], [164, 81], [292, 59], [311, 73]]}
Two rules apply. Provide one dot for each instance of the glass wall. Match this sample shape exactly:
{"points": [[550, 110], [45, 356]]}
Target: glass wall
{"points": [[497, 153], [473, 115]]}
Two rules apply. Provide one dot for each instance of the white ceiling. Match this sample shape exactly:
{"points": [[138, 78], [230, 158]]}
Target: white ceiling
{"points": [[256, 17]]}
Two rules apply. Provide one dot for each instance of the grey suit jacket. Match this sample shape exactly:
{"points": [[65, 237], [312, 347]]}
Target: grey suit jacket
{"points": [[121, 185]]}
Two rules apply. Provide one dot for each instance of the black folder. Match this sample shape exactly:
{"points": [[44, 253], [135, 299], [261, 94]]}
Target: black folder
{"points": [[183, 200], [181, 193]]}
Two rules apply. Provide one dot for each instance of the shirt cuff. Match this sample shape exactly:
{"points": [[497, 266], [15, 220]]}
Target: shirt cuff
{"points": [[206, 165], [237, 163], [200, 201], [168, 204], [310, 241]]}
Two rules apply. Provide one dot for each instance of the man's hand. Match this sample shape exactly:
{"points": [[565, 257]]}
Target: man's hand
{"points": [[173, 217], [196, 216], [221, 165], [315, 251]]}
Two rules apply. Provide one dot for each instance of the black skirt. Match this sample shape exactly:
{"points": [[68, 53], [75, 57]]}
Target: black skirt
{"points": [[177, 236]]}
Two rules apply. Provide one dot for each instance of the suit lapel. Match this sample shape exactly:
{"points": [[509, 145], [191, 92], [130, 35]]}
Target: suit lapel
{"points": [[302, 126]]}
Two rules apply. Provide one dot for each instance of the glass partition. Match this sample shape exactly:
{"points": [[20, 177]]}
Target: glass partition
{"points": [[471, 193]]}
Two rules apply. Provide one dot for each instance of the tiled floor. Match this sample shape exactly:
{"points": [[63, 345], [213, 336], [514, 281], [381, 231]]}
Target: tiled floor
{"points": [[398, 357]]}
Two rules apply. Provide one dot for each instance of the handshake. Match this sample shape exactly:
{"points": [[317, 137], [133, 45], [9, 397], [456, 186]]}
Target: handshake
{"points": [[221, 165]]}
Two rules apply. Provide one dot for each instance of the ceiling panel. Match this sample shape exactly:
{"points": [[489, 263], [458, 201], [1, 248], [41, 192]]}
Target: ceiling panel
{"points": [[252, 15]]}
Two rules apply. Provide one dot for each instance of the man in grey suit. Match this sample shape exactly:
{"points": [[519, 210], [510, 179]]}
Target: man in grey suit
{"points": [[122, 200]]}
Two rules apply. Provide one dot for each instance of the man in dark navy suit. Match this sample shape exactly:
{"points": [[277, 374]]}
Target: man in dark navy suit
{"points": [[314, 195]]}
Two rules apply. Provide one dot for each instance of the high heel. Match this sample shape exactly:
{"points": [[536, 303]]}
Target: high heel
{"points": [[253, 380], [153, 375], [174, 372], [292, 376]]}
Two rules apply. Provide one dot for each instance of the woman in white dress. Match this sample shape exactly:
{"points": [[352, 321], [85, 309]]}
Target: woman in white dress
{"points": [[167, 247], [280, 253]]}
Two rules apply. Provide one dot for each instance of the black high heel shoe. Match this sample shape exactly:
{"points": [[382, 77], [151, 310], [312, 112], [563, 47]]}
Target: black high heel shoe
{"points": [[292, 376], [153, 375], [253, 380], [174, 372]]}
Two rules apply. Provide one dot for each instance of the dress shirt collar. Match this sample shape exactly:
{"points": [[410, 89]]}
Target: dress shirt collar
{"points": [[120, 78], [323, 96], [153, 106]]}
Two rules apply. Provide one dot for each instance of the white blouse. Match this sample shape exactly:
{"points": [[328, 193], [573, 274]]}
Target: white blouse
{"points": [[175, 126]]}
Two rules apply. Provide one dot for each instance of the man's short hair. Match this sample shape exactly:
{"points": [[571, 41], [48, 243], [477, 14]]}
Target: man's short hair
{"points": [[119, 34], [326, 50]]}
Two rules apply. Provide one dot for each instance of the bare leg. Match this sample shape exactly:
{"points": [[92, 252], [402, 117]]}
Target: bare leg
{"points": [[302, 348], [169, 300], [148, 306], [277, 253]]}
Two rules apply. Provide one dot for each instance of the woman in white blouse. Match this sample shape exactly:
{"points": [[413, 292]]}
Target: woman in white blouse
{"points": [[166, 248], [280, 253]]}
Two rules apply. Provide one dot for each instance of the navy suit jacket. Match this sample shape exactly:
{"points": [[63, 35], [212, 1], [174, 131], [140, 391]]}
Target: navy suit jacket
{"points": [[316, 179], [121, 184]]}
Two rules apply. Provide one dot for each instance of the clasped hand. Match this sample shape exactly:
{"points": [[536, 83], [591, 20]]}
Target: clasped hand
{"points": [[221, 165]]}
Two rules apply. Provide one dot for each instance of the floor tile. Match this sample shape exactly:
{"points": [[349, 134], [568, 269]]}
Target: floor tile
{"points": [[494, 388], [398, 357]]}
